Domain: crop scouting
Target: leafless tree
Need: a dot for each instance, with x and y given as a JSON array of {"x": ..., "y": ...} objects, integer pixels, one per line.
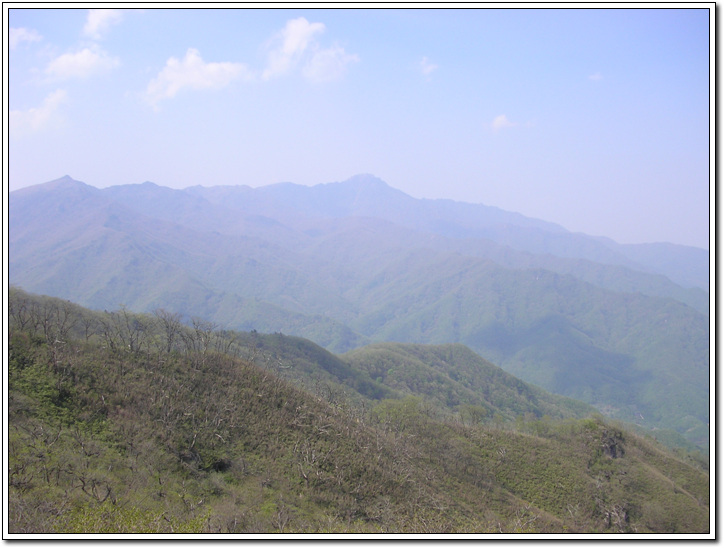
[{"x": 171, "y": 325}]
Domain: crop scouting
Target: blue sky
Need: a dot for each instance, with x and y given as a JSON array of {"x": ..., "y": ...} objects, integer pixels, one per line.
[{"x": 597, "y": 119}]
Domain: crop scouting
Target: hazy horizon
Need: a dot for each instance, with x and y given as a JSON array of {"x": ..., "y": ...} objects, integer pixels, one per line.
[{"x": 594, "y": 119}]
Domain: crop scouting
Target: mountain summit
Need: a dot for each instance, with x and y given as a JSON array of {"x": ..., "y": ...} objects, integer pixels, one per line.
[{"x": 62, "y": 184}]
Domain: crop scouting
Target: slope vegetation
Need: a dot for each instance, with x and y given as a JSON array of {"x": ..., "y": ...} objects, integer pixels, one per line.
[{"x": 125, "y": 423}]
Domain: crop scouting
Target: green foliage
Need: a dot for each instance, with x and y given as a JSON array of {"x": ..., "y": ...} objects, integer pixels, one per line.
[
  {"x": 399, "y": 415},
  {"x": 193, "y": 437},
  {"x": 472, "y": 414},
  {"x": 116, "y": 520},
  {"x": 452, "y": 377}
]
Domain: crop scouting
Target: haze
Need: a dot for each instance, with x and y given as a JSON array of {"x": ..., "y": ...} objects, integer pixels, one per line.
[{"x": 595, "y": 119}]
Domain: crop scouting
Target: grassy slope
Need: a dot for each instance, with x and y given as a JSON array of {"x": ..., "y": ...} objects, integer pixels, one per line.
[
  {"x": 452, "y": 376},
  {"x": 140, "y": 439}
]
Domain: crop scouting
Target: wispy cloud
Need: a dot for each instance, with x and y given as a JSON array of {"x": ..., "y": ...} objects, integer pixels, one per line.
[
  {"x": 596, "y": 76},
  {"x": 328, "y": 64},
  {"x": 82, "y": 64},
  {"x": 427, "y": 67},
  {"x": 288, "y": 45},
  {"x": 25, "y": 122},
  {"x": 99, "y": 21},
  {"x": 193, "y": 73},
  {"x": 500, "y": 122},
  {"x": 19, "y": 35},
  {"x": 296, "y": 45}
]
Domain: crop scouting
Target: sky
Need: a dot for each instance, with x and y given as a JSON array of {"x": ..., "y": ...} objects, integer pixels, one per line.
[{"x": 595, "y": 119}]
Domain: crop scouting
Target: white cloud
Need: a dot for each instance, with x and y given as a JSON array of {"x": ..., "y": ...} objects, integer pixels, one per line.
[
  {"x": 427, "y": 67},
  {"x": 296, "y": 46},
  {"x": 99, "y": 21},
  {"x": 21, "y": 34},
  {"x": 597, "y": 76},
  {"x": 501, "y": 122},
  {"x": 289, "y": 45},
  {"x": 24, "y": 122},
  {"x": 193, "y": 73},
  {"x": 85, "y": 63},
  {"x": 291, "y": 48},
  {"x": 328, "y": 64}
]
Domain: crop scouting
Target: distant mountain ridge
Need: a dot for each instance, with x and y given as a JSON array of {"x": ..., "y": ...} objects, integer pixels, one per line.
[
  {"x": 349, "y": 263},
  {"x": 369, "y": 196}
]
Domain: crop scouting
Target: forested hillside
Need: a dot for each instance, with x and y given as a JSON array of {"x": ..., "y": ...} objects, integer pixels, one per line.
[
  {"x": 129, "y": 423},
  {"x": 623, "y": 328}
]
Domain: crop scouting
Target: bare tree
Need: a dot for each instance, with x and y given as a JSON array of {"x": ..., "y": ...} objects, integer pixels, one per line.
[
  {"x": 19, "y": 311},
  {"x": 198, "y": 341},
  {"x": 171, "y": 324},
  {"x": 55, "y": 320}
]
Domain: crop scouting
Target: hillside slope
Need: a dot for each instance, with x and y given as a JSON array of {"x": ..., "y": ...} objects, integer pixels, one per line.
[{"x": 123, "y": 423}]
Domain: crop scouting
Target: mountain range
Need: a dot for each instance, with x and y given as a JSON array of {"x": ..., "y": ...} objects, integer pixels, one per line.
[{"x": 622, "y": 327}]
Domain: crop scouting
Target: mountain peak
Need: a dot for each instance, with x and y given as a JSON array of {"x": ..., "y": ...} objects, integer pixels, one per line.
[
  {"x": 65, "y": 183},
  {"x": 364, "y": 185},
  {"x": 367, "y": 182},
  {"x": 65, "y": 180},
  {"x": 366, "y": 179}
]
